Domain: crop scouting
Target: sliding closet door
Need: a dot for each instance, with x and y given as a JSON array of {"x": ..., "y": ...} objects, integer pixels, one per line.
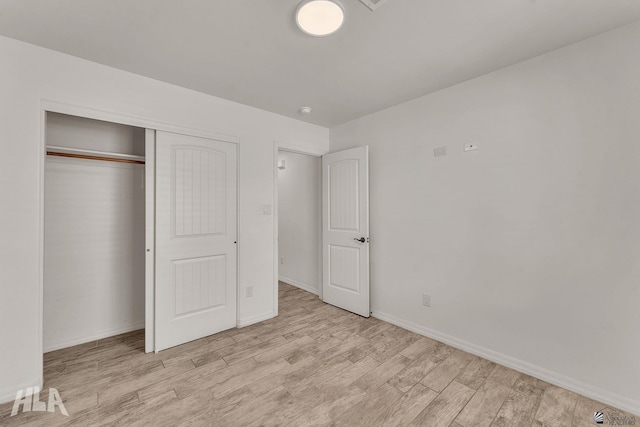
[{"x": 196, "y": 192}]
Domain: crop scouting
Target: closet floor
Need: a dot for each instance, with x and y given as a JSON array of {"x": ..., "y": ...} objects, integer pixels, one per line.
[{"x": 312, "y": 365}]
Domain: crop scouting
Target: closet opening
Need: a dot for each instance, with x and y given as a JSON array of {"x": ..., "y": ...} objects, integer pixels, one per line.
[{"x": 94, "y": 232}]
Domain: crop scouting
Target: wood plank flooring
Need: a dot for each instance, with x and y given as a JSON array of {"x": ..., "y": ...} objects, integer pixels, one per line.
[{"x": 312, "y": 365}]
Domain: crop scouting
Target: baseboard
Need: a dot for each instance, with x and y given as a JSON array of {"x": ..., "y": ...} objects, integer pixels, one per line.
[
  {"x": 297, "y": 284},
  {"x": 94, "y": 337},
  {"x": 255, "y": 319},
  {"x": 7, "y": 396},
  {"x": 585, "y": 389}
]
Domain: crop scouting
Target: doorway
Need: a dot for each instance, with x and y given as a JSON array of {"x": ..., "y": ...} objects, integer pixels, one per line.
[{"x": 299, "y": 216}]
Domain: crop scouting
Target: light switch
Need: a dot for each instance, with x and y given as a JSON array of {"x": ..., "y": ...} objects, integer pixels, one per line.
[{"x": 266, "y": 209}]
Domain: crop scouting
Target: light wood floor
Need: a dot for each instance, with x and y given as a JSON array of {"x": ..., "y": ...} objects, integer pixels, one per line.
[{"x": 313, "y": 365}]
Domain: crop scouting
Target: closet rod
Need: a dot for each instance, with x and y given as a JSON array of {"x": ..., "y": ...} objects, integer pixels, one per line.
[
  {"x": 84, "y": 156},
  {"x": 78, "y": 153}
]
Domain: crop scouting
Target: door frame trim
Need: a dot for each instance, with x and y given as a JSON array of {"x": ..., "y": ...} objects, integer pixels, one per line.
[
  {"x": 298, "y": 149},
  {"x": 89, "y": 112},
  {"x": 150, "y": 240}
]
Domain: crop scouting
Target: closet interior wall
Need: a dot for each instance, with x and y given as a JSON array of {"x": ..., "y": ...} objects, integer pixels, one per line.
[{"x": 94, "y": 256}]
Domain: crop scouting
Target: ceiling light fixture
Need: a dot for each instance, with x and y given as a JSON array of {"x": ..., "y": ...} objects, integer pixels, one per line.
[
  {"x": 320, "y": 17},
  {"x": 304, "y": 110}
]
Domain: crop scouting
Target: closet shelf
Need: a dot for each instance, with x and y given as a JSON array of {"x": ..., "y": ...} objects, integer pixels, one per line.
[{"x": 79, "y": 153}]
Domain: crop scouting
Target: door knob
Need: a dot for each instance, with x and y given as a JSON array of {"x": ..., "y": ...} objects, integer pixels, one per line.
[{"x": 361, "y": 240}]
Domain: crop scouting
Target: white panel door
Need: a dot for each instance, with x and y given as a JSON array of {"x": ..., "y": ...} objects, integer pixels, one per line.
[
  {"x": 195, "y": 238},
  {"x": 345, "y": 229}
]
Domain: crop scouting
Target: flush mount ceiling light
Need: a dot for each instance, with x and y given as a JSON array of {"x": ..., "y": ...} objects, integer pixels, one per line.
[{"x": 320, "y": 17}]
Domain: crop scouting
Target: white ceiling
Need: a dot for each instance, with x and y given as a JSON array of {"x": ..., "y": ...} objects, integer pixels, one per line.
[{"x": 250, "y": 51}]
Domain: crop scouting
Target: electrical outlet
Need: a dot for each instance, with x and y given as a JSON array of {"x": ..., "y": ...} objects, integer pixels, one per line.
[
  {"x": 266, "y": 209},
  {"x": 426, "y": 300},
  {"x": 440, "y": 151},
  {"x": 249, "y": 291}
]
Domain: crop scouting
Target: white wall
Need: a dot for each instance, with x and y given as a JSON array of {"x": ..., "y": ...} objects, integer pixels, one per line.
[
  {"x": 530, "y": 246},
  {"x": 28, "y": 76},
  {"x": 299, "y": 220},
  {"x": 94, "y": 257}
]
